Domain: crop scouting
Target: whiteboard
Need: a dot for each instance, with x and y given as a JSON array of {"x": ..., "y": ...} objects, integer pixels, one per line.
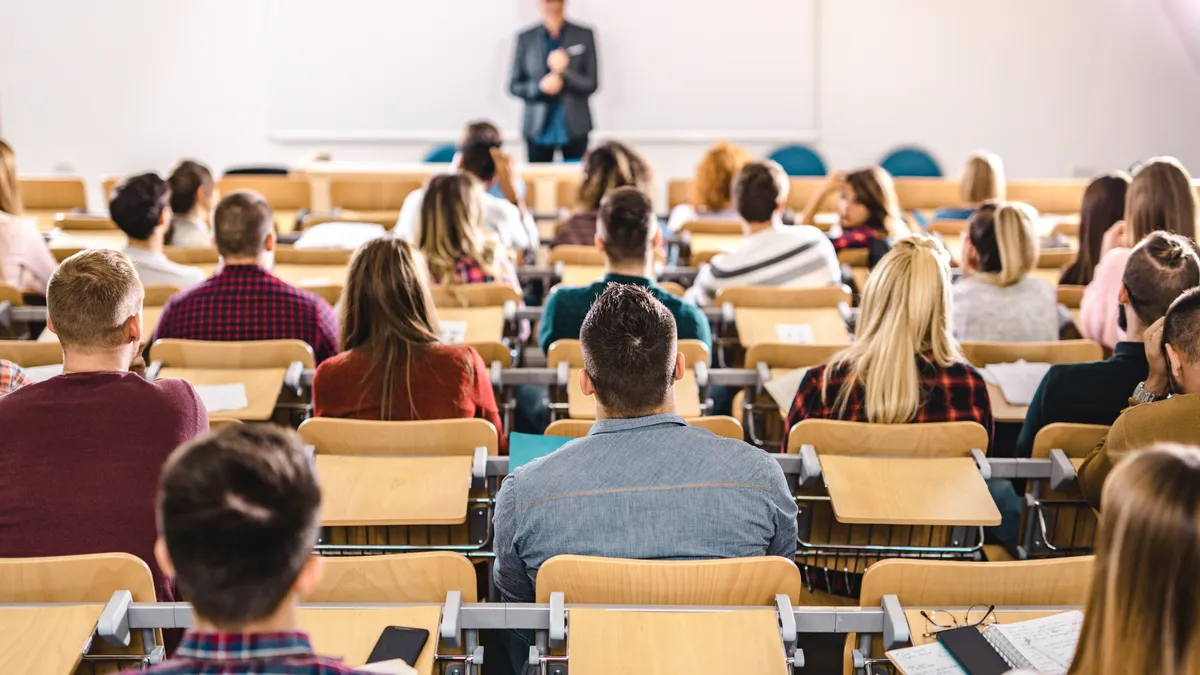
[{"x": 363, "y": 70}]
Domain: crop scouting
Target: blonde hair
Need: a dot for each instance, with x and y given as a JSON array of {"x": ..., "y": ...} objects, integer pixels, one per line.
[
  {"x": 1005, "y": 241},
  {"x": 90, "y": 297},
  {"x": 904, "y": 314},
  {"x": 874, "y": 188},
  {"x": 10, "y": 188},
  {"x": 450, "y": 227},
  {"x": 713, "y": 184},
  {"x": 982, "y": 178},
  {"x": 1161, "y": 197},
  {"x": 1141, "y": 616}
]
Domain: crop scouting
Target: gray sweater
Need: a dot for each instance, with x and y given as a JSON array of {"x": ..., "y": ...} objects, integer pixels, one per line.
[{"x": 1027, "y": 311}]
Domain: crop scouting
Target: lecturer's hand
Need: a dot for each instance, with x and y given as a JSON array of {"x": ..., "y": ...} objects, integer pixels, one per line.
[
  {"x": 558, "y": 60},
  {"x": 551, "y": 84}
]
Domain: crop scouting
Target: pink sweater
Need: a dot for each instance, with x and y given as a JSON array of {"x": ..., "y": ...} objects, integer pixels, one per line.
[
  {"x": 25, "y": 261},
  {"x": 1098, "y": 310}
]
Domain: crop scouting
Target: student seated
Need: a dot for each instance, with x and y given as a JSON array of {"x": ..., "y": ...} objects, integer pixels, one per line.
[
  {"x": 1141, "y": 615},
  {"x": 606, "y": 167},
  {"x": 1159, "y": 270},
  {"x": 628, "y": 235},
  {"x": 773, "y": 254},
  {"x": 642, "y": 484},
  {"x": 192, "y": 200},
  {"x": 903, "y": 366},
  {"x": 1160, "y": 197},
  {"x": 982, "y": 180},
  {"x": 997, "y": 299},
  {"x": 712, "y": 187},
  {"x": 25, "y": 261},
  {"x": 869, "y": 212},
  {"x": 238, "y": 516},
  {"x": 12, "y": 377},
  {"x": 393, "y": 365},
  {"x": 83, "y": 450},
  {"x": 1165, "y": 407},
  {"x": 481, "y": 155},
  {"x": 244, "y": 301},
  {"x": 1103, "y": 206},
  {"x": 139, "y": 207},
  {"x": 456, "y": 248}
]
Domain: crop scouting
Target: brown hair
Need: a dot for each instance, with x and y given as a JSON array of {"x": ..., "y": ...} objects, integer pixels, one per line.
[
  {"x": 1161, "y": 197},
  {"x": 387, "y": 313},
  {"x": 1161, "y": 267},
  {"x": 475, "y": 151},
  {"x": 186, "y": 180},
  {"x": 609, "y": 166},
  {"x": 759, "y": 189},
  {"x": 451, "y": 216},
  {"x": 10, "y": 187},
  {"x": 1103, "y": 205},
  {"x": 713, "y": 185},
  {"x": 91, "y": 296},
  {"x": 1142, "y": 615},
  {"x": 239, "y": 510},
  {"x": 873, "y": 188},
  {"x": 626, "y": 225},
  {"x": 629, "y": 346},
  {"x": 982, "y": 179},
  {"x": 242, "y": 222},
  {"x": 1005, "y": 243}
]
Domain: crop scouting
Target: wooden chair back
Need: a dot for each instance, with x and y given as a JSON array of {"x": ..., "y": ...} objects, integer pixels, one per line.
[
  {"x": 231, "y": 355},
  {"x": 589, "y": 256},
  {"x": 790, "y": 357},
  {"x": 679, "y": 191},
  {"x": 726, "y": 427},
  {"x": 283, "y": 193},
  {"x": 981, "y": 354},
  {"x": 83, "y": 222},
  {"x": 925, "y": 194},
  {"x": 804, "y": 190},
  {"x": 157, "y": 296},
  {"x": 108, "y": 185},
  {"x": 1048, "y": 196},
  {"x": 187, "y": 255},
  {"x": 570, "y": 351},
  {"x": 491, "y": 352},
  {"x": 566, "y": 193},
  {"x": 769, "y": 297},
  {"x": 673, "y": 288},
  {"x": 11, "y": 295},
  {"x": 53, "y": 194},
  {"x": 409, "y": 577},
  {"x": 218, "y": 423},
  {"x": 854, "y": 257},
  {"x": 1071, "y": 296},
  {"x": 75, "y": 578},
  {"x": 735, "y": 582},
  {"x": 731, "y": 228},
  {"x": 473, "y": 295},
  {"x": 948, "y": 228},
  {"x": 937, "y": 584},
  {"x": 1053, "y": 259},
  {"x": 372, "y": 194},
  {"x": 1076, "y": 440},
  {"x": 290, "y": 255},
  {"x": 29, "y": 353},
  {"x": 333, "y": 436},
  {"x": 835, "y": 437}
]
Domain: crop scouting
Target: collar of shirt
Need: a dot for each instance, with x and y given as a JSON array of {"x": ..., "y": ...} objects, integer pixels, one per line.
[
  {"x": 611, "y": 278},
  {"x": 615, "y": 425},
  {"x": 1129, "y": 351},
  {"x": 243, "y": 647},
  {"x": 250, "y": 270},
  {"x": 191, "y": 221}
]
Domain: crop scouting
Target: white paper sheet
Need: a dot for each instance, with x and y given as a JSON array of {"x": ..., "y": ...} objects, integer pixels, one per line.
[
  {"x": 453, "y": 332},
  {"x": 1018, "y": 381},
  {"x": 794, "y": 333},
  {"x": 347, "y": 235},
  {"x": 218, "y": 397},
  {"x": 1048, "y": 643},
  {"x": 393, "y": 667},
  {"x": 37, "y": 374},
  {"x": 930, "y": 659},
  {"x": 783, "y": 388}
]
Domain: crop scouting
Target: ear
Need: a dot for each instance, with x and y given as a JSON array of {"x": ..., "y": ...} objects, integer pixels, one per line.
[
  {"x": 599, "y": 243},
  {"x": 1174, "y": 362},
  {"x": 585, "y": 384},
  {"x": 163, "y": 558},
  {"x": 310, "y": 576},
  {"x": 658, "y": 239},
  {"x": 133, "y": 327},
  {"x": 164, "y": 218},
  {"x": 1122, "y": 295},
  {"x": 680, "y": 366},
  {"x": 50, "y": 325},
  {"x": 269, "y": 245}
]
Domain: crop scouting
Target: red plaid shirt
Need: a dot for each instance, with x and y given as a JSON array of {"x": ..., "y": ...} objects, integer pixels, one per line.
[
  {"x": 954, "y": 394},
  {"x": 12, "y": 377},
  {"x": 858, "y": 237},
  {"x": 467, "y": 270},
  {"x": 286, "y": 653},
  {"x": 246, "y": 302}
]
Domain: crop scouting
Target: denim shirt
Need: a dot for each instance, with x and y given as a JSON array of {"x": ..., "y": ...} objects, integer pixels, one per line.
[{"x": 650, "y": 488}]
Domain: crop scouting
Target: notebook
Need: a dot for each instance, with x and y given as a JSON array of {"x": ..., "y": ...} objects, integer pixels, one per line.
[
  {"x": 1017, "y": 381},
  {"x": 783, "y": 389},
  {"x": 393, "y": 667},
  {"x": 218, "y": 397},
  {"x": 524, "y": 448},
  {"x": 1045, "y": 645}
]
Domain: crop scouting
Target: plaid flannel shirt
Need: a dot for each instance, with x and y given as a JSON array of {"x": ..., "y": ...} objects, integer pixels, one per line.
[
  {"x": 252, "y": 654},
  {"x": 246, "y": 302},
  {"x": 858, "y": 237},
  {"x": 12, "y": 377}
]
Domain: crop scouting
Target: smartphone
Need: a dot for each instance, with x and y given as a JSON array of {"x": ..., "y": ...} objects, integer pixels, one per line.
[
  {"x": 973, "y": 652},
  {"x": 398, "y": 642}
]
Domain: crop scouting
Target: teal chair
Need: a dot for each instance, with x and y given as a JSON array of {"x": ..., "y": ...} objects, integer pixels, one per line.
[
  {"x": 799, "y": 160},
  {"x": 911, "y": 163},
  {"x": 442, "y": 154}
]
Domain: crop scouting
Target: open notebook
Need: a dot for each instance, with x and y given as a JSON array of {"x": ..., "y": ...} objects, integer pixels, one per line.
[
  {"x": 1045, "y": 645},
  {"x": 1017, "y": 381}
]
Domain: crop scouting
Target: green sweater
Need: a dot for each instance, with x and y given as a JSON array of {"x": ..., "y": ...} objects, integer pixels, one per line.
[{"x": 566, "y": 308}]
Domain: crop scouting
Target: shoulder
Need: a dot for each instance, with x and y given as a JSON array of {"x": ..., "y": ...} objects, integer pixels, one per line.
[
  {"x": 581, "y": 29},
  {"x": 1112, "y": 265},
  {"x": 339, "y": 363},
  {"x": 530, "y": 33},
  {"x": 1170, "y": 412},
  {"x": 958, "y": 371},
  {"x": 458, "y": 357}
]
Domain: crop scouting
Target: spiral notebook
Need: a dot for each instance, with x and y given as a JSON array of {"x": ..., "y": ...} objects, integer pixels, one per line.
[{"x": 1046, "y": 645}]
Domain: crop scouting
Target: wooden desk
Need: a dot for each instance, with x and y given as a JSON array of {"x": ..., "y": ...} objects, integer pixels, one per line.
[
  {"x": 150, "y": 317},
  {"x": 484, "y": 324},
  {"x": 262, "y": 389},
  {"x": 393, "y": 490},
  {"x": 114, "y": 240},
  {"x": 582, "y": 407},
  {"x": 581, "y": 275},
  {"x": 901, "y": 491},
  {"x": 917, "y": 626},
  {"x": 45, "y": 640},
  {"x": 756, "y": 326},
  {"x": 1002, "y": 410},
  {"x": 715, "y": 243},
  {"x": 602, "y": 642},
  {"x": 312, "y": 275},
  {"x": 350, "y": 634}
]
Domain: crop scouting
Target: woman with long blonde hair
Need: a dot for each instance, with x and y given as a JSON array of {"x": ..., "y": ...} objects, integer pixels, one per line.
[
  {"x": 25, "y": 260},
  {"x": 452, "y": 239},
  {"x": 1143, "y": 615},
  {"x": 904, "y": 366},
  {"x": 869, "y": 213},
  {"x": 998, "y": 300},
  {"x": 712, "y": 187},
  {"x": 393, "y": 365}
]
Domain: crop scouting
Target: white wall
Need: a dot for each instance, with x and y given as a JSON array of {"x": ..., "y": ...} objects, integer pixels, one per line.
[{"x": 1057, "y": 87}]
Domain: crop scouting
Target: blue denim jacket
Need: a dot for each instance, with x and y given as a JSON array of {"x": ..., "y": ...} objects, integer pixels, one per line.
[{"x": 645, "y": 488}]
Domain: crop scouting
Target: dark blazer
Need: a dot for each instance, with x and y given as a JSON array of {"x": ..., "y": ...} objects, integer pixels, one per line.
[{"x": 580, "y": 80}]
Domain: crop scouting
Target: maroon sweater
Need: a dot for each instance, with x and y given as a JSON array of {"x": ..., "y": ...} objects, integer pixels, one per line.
[{"x": 80, "y": 459}]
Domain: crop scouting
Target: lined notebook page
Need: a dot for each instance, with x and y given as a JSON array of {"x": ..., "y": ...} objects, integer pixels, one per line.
[
  {"x": 1047, "y": 645},
  {"x": 930, "y": 659},
  {"x": 783, "y": 389}
]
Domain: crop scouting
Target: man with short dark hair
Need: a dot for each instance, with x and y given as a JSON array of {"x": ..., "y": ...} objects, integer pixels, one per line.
[
  {"x": 140, "y": 208},
  {"x": 244, "y": 301},
  {"x": 642, "y": 484},
  {"x": 83, "y": 450},
  {"x": 1163, "y": 409},
  {"x": 238, "y": 515},
  {"x": 773, "y": 254},
  {"x": 627, "y": 233}
]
